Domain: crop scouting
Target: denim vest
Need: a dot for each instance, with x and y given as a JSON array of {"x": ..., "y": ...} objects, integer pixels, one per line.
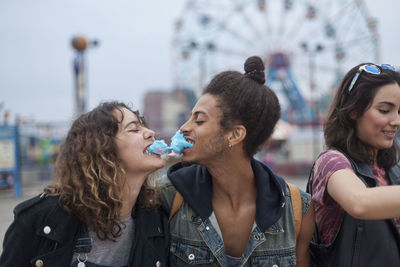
[{"x": 199, "y": 242}]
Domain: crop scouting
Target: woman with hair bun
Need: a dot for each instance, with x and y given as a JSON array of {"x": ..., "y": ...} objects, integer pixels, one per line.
[
  {"x": 235, "y": 210},
  {"x": 103, "y": 209}
]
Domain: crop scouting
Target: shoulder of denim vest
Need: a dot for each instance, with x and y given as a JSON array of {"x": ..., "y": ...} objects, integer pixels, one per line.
[
  {"x": 305, "y": 199},
  {"x": 167, "y": 192}
]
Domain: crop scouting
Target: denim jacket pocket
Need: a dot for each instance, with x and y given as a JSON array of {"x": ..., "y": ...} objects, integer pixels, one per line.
[
  {"x": 284, "y": 259},
  {"x": 183, "y": 254}
]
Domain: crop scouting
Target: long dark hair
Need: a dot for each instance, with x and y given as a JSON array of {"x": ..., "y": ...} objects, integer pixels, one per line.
[{"x": 347, "y": 107}]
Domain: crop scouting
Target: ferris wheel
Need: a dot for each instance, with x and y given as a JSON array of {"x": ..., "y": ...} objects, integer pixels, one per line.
[{"x": 307, "y": 45}]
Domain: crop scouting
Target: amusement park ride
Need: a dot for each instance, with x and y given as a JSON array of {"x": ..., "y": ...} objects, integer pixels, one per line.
[{"x": 307, "y": 46}]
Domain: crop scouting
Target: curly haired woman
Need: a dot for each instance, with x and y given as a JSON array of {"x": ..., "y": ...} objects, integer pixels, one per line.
[{"x": 103, "y": 209}]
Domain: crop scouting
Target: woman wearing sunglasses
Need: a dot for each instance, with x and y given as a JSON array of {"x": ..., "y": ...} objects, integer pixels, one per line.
[
  {"x": 103, "y": 209},
  {"x": 355, "y": 183}
]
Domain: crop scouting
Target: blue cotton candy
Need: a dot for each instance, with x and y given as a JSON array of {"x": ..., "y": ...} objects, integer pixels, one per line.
[
  {"x": 159, "y": 147},
  {"x": 178, "y": 143}
]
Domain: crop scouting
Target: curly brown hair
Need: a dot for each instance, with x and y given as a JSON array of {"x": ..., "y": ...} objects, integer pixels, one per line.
[
  {"x": 90, "y": 176},
  {"x": 245, "y": 99},
  {"x": 347, "y": 107}
]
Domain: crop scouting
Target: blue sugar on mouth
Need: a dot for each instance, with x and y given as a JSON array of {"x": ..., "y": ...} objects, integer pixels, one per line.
[{"x": 178, "y": 144}]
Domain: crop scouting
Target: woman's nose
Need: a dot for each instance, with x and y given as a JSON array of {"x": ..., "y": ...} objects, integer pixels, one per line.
[
  {"x": 185, "y": 127},
  {"x": 148, "y": 133},
  {"x": 396, "y": 120}
]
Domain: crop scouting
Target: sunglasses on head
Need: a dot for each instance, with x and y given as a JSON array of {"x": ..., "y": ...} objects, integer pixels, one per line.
[{"x": 369, "y": 68}]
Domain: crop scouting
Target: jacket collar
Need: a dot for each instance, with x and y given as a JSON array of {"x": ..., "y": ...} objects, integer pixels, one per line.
[
  {"x": 59, "y": 224},
  {"x": 194, "y": 182},
  {"x": 363, "y": 169},
  {"x": 394, "y": 174}
]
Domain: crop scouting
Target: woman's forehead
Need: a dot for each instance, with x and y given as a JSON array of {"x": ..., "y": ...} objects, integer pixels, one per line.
[
  {"x": 207, "y": 104},
  {"x": 132, "y": 116},
  {"x": 387, "y": 93},
  {"x": 125, "y": 115}
]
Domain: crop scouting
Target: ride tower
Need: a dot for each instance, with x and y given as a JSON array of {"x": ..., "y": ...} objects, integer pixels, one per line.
[{"x": 279, "y": 77}]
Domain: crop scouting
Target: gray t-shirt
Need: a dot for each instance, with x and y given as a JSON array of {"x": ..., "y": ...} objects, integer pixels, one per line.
[{"x": 109, "y": 253}]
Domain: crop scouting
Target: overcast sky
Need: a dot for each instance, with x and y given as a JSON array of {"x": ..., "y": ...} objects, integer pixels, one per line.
[{"x": 36, "y": 79}]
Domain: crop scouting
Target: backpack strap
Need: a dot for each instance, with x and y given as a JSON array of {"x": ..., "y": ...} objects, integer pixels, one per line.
[
  {"x": 176, "y": 204},
  {"x": 296, "y": 206},
  {"x": 294, "y": 195}
]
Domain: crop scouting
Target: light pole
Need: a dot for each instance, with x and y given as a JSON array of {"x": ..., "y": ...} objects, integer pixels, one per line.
[{"x": 80, "y": 44}]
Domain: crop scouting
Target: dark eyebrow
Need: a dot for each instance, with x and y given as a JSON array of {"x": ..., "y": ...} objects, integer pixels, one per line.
[
  {"x": 387, "y": 103},
  {"x": 130, "y": 123},
  {"x": 199, "y": 112}
]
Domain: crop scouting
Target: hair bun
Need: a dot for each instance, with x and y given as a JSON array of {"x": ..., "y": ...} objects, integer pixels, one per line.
[{"x": 254, "y": 69}]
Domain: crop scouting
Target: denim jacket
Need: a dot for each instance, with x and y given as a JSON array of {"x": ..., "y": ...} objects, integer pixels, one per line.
[{"x": 196, "y": 238}]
